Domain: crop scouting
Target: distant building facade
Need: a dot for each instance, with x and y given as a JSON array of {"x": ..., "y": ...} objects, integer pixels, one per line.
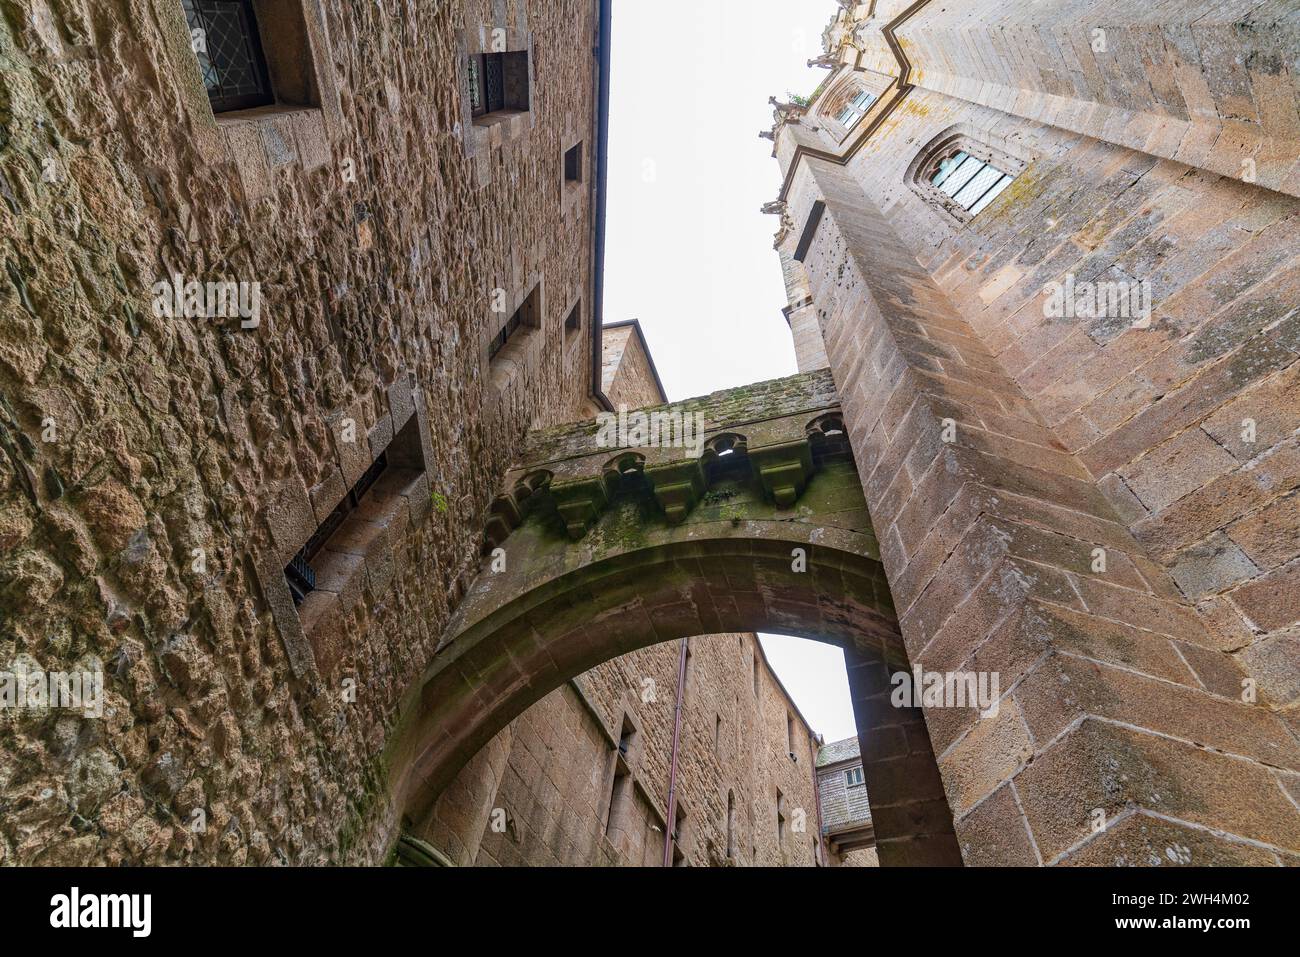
[{"x": 845, "y": 811}]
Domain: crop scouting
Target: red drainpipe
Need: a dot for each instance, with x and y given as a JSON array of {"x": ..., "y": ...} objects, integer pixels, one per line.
[{"x": 672, "y": 771}]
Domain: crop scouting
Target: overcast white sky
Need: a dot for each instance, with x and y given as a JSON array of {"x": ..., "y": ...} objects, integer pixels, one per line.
[{"x": 687, "y": 250}]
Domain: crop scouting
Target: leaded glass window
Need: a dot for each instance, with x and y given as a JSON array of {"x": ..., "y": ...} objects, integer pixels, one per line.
[
  {"x": 224, "y": 37},
  {"x": 971, "y": 182},
  {"x": 856, "y": 109}
]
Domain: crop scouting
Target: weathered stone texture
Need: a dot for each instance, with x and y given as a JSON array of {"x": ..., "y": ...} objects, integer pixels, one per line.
[
  {"x": 130, "y": 440},
  {"x": 1003, "y": 448},
  {"x": 555, "y": 795}
]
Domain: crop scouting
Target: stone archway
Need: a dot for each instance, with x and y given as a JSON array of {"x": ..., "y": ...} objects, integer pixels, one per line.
[{"x": 593, "y": 552}]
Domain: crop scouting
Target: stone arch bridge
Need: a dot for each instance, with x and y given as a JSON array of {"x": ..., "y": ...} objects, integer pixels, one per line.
[{"x": 594, "y": 551}]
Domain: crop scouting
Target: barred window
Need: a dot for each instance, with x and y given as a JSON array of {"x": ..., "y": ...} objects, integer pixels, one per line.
[
  {"x": 224, "y": 37},
  {"x": 497, "y": 82},
  {"x": 300, "y": 572},
  {"x": 527, "y": 317},
  {"x": 501, "y": 338}
]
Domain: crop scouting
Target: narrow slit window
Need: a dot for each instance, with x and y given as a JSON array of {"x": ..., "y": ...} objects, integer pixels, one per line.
[
  {"x": 731, "y": 824},
  {"x": 679, "y": 837},
  {"x": 620, "y": 789},
  {"x": 573, "y": 164}
]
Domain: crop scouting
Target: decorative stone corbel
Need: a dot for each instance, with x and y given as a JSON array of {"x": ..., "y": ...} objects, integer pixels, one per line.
[
  {"x": 580, "y": 503},
  {"x": 508, "y": 508},
  {"x": 783, "y": 470},
  {"x": 677, "y": 487}
]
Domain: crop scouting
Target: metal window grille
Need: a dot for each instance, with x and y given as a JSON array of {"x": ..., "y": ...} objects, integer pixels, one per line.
[
  {"x": 486, "y": 77},
  {"x": 299, "y": 573},
  {"x": 474, "y": 82},
  {"x": 224, "y": 37},
  {"x": 497, "y": 81}
]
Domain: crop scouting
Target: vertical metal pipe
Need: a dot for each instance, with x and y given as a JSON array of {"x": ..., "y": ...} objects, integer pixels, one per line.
[{"x": 671, "y": 824}]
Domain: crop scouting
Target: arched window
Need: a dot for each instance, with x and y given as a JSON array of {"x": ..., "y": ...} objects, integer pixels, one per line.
[
  {"x": 972, "y": 182},
  {"x": 856, "y": 109},
  {"x": 846, "y": 104},
  {"x": 963, "y": 175}
]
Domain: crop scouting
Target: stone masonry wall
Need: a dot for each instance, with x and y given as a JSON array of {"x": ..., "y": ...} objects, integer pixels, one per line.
[
  {"x": 131, "y": 440},
  {"x": 557, "y": 786},
  {"x": 554, "y": 790},
  {"x": 1190, "y": 424},
  {"x": 988, "y": 542},
  {"x": 1169, "y": 444}
]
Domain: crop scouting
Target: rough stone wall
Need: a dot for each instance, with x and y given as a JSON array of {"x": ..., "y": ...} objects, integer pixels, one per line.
[{"x": 130, "y": 440}]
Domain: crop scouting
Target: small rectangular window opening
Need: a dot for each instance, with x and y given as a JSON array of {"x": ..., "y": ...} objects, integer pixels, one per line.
[
  {"x": 299, "y": 573},
  {"x": 573, "y": 164},
  {"x": 526, "y": 316},
  {"x": 679, "y": 836},
  {"x": 497, "y": 82}
]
